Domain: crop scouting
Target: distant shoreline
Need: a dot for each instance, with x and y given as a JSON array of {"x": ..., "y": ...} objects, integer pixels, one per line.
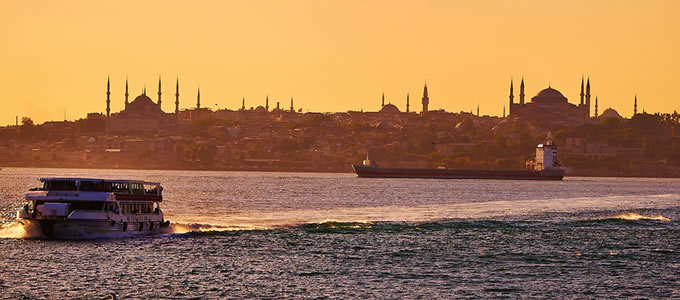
[{"x": 579, "y": 173}]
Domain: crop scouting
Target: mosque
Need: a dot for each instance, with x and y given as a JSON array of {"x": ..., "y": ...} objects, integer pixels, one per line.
[
  {"x": 391, "y": 109},
  {"x": 143, "y": 114},
  {"x": 551, "y": 106}
]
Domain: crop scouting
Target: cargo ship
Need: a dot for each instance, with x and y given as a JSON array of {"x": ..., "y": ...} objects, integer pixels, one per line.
[
  {"x": 76, "y": 208},
  {"x": 544, "y": 166}
]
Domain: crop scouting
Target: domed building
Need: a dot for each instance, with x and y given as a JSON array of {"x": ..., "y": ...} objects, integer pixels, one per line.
[
  {"x": 549, "y": 95},
  {"x": 551, "y": 106},
  {"x": 142, "y": 114},
  {"x": 142, "y": 106},
  {"x": 610, "y": 113},
  {"x": 389, "y": 109}
]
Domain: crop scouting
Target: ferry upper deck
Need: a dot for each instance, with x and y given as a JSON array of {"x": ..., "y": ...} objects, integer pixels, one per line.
[{"x": 94, "y": 189}]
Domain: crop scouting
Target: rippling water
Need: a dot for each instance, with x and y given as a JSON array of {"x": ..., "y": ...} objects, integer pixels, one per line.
[{"x": 292, "y": 235}]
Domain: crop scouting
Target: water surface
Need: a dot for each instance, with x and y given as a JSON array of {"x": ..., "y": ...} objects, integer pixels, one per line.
[{"x": 291, "y": 235}]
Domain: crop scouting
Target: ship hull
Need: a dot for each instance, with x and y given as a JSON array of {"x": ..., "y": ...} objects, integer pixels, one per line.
[
  {"x": 92, "y": 229},
  {"x": 379, "y": 172}
]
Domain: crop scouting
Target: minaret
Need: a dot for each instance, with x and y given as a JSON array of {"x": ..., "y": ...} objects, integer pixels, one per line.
[
  {"x": 596, "y": 106},
  {"x": 383, "y": 99},
  {"x": 503, "y": 111},
  {"x": 478, "y": 110},
  {"x": 126, "y": 93},
  {"x": 243, "y": 104},
  {"x": 581, "y": 104},
  {"x": 198, "y": 99},
  {"x": 521, "y": 92},
  {"x": 292, "y": 109},
  {"x": 512, "y": 97},
  {"x": 177, "y": 98},
  {"x": 266, "y": 103},
  {"x": 588, "y": 99},
  {"x": 277, "y": 105},
  {"x": 426, "y": 100},
  {"x": 159, "y": 92},
  {"x": 108, "y": 96},
  {"x": 407, "y": 102},
  {"x": 635, "y": 106}
]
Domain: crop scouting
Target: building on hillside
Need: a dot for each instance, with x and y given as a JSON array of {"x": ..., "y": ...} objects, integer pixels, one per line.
[
  {"x": 142, "y": 114},
  {"x": 550, "y": 106}
]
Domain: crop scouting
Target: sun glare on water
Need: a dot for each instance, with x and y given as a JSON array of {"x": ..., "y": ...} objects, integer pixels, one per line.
[
  {"x": 630, "y": 216},
  {"x": 18, "y": 230},
  {"x": 180, "y": 228}
]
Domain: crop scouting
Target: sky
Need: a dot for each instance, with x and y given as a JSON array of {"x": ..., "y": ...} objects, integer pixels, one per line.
[{"x": 334, "y": 56}]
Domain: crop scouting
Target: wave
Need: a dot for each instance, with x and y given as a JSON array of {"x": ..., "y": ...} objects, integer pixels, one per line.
[
  {"x": 213, "y": 226},
  {"x": 627, "y": 218},
  {"x": 631, "y": 216},
  {"x": 334, "y": 226},
  {"x": 181, "y": 228}
]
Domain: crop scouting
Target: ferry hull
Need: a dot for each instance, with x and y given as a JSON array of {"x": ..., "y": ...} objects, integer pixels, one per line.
[
  {"x": 92, "y": 229},
  {"x": 379, "y": 172}
]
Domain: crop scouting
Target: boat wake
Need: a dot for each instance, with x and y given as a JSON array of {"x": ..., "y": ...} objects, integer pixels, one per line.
[
  {"x": 631, "y": 216},
  {"x": 19, "y": 230},
  {"x": 180, "y": 228}
]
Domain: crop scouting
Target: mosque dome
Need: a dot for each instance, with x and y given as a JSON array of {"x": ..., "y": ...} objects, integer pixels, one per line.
[
  {"x": 549, "y": 95},
  {"x": 260, "y": 109},
  {"x": 389, "y": 108},
  {"x": 611, "y": 113},
  {"x": 142, "y": 105},
  {"x": 143, "y": 100}
]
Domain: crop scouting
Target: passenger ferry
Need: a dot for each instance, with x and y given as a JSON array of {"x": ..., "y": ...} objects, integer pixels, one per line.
[{"x": 89, "y": 207}]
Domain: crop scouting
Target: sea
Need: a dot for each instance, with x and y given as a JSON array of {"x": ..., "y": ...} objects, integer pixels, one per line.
[{"x": 327, "y": 236}]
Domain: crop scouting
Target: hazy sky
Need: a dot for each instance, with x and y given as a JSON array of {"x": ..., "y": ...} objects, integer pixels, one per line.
[{"x": 334, "y": 55}]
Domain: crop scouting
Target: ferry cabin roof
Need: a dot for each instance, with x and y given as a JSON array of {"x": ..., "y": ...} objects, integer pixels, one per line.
[
  {"x": 91, "y": 189},
  {"x": 43, "y": 179}
]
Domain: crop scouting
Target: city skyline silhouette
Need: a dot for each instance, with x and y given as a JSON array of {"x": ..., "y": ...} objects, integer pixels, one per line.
[{"x": 334, "y": 57}]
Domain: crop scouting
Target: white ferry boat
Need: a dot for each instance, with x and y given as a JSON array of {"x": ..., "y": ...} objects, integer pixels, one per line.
[{"x": 90, "y": 207}]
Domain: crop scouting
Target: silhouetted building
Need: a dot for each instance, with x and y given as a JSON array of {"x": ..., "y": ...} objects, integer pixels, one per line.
[
  {"x": 142, "y": 114},
  {"x": 610, "y": 113},
  {"x": 551, "y": 106}
]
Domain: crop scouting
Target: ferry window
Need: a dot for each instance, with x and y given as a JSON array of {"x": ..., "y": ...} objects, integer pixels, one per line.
[
  {"x": 137, "y": 188},
  {"x": 60, "y": 185},
  {"x": 150, "y": 189},
  {"x": 92, "y": 186},
  {"x": 87, "y": 205},
  {"x": 120, "y": 187}
]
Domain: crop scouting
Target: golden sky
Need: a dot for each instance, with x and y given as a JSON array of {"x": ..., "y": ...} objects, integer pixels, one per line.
[{"x": 333, "y": 56}]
